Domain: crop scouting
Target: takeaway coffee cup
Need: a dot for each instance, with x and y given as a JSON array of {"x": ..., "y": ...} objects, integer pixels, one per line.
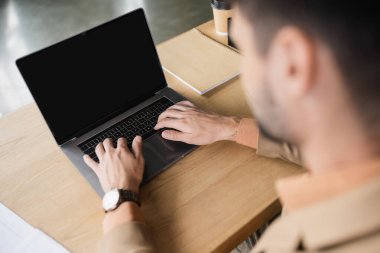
[{"x": 222, "y": 11}]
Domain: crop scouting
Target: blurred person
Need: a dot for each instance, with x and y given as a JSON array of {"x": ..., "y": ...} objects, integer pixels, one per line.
[{"x": 310, "y": 72}]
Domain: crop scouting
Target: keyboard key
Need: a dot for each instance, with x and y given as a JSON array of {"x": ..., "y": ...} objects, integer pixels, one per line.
[{"x": 92, "y": 155}]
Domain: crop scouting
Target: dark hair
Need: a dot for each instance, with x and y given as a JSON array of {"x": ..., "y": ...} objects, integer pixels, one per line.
[{"x": 350, "y": 30}]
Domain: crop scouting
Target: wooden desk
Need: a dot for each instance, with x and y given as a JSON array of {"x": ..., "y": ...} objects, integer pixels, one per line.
[{"x": 208, "y": 202}]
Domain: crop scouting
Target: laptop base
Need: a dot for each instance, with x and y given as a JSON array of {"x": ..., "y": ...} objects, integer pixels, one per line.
[{"x": 159, "y": 153}]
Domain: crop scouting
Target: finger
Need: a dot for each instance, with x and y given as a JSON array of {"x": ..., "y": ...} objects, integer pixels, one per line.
[
  {"x": 176, "y": 136},
  {"x": 186, "y": 103},
  {"x": 108, "y": 146},
  {"x": 99, "y": 150},
  {"x": 171, "y": 114},
  {"x": 179, "y": 108},
  {"x": 137, "y": 146},
  {"x": 172, "y": 123},
  {"x": 91, "y": 163},
  {"x": 122, "y": 143}
]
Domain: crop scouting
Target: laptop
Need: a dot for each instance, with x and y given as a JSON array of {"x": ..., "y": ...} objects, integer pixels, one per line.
[{"x": 106, "y": 82}]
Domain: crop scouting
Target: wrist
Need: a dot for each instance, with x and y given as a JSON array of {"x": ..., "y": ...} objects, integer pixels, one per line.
[
  {"x": 230, "y": 128},
  {"x": 130, "y": 184},
  {"x": 115, "y": 197},
  {"x": 131, "y": 187}
]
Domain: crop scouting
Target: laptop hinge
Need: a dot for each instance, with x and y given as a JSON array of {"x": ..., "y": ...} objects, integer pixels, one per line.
[
  {"x": 160, "y": 91},
  {"x": 68, "y": 141}
]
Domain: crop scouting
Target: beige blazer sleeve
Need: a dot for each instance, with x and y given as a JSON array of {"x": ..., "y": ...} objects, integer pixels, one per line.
[
  {"x": 131, "y": 237},
  {"x": 246, "y": 135},
  {"x": 282, "y": 150}
]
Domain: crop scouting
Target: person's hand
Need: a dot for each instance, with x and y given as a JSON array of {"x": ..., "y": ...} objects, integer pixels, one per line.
[
  {"x": 189, "y": 124},
  {"x": 118, "y": 167}
]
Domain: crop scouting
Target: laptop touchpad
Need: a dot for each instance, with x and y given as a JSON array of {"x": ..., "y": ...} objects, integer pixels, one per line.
[{"x": 159, "y": 153}]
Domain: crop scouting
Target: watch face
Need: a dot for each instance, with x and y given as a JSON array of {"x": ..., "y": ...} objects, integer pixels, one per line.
[{"x": 111, "y": 199}]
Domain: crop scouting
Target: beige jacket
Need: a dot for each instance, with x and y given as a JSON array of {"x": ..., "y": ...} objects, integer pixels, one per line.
[{"x": 347, "y": 223}]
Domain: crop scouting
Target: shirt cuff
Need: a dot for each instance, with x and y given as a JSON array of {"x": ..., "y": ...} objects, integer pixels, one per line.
[{"x": 247, "y": 133}]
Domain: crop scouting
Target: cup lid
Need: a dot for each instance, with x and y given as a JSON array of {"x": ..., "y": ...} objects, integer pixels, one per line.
[{"x": 221, "y": 4}]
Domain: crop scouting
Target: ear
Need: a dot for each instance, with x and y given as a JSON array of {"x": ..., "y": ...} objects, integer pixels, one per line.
[{"x": 292, "y": 53}]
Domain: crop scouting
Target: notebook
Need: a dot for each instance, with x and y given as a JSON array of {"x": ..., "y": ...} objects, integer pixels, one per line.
[
  {"x": 199, "y": 62},
  {"x": 17, "y": 236}
]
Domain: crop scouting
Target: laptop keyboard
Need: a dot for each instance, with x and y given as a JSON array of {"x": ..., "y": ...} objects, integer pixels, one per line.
[{"x": 140, "y": 123}]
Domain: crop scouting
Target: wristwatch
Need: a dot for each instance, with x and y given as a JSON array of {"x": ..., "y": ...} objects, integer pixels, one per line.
[{"x": 115, "y": 197}]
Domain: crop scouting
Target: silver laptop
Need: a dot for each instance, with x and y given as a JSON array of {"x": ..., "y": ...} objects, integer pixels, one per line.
[{"x": 106, "y": 82}]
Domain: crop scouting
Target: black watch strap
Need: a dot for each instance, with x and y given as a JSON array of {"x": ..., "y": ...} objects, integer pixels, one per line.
[{"x": 127, "y": 195}]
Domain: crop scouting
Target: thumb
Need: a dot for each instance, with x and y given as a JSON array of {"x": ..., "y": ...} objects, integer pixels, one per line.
[
  {"x": 91, "y": 163},
  {"x": 174, "y": 135}
]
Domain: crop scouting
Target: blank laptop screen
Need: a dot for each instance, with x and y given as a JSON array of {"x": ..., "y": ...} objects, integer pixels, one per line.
[{"x": 91, "y": 77}]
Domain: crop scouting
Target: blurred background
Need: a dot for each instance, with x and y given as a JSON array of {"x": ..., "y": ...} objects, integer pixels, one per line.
[{"x": 29, "y": 25}]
